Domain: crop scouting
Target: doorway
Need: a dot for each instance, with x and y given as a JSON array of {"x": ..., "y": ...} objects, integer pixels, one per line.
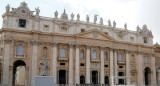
[
  {"x": 94, "y": 77},
  {"x": 62, "y": 77},
  {"x": 82, "y": 79},
  {"x": 19, "y": 73},
  {"x": 147, "y": 75},
  {"x": 121, "y": 81}
]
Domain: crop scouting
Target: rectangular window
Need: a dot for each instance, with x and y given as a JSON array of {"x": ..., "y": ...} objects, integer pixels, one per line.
[
  {"x": 131, "y": 39},
  {"x": 82, "y": 64},
  {"x": 119, "y": 57},
  {"x": 22, "y": 23},
  {"x": 120, "y": 66},
  {"x": 145, "y": 40},
  {"x": 82, "y": 30},
  {"x": 63, "y": 64},
  {"x": 105, "y": 66},
  {"x": 105, "y": 57}
]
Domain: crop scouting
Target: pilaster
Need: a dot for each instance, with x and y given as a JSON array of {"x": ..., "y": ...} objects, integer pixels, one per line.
[
  {"x": 88, "y": 65},
  {"x": 54, "y": 62},
  {"x": 128, "y": 74},
  {"x": 115, "y": 65},
  {"x": 111, "y": 65},
  {"x": 102, "y": 66},
  {"x": 70, "y": 64},
  {"x": 140, "y": 68},
  {"x": 77, "y": 65},
  {"x": 153, "y": 76}
]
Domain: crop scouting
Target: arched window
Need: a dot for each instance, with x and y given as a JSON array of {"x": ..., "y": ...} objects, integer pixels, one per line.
[
  {"x": 62, "y": 52},
  {"x": 45, "y": 51},
  {"x": 20, "y": 50},
  {"x": 145, "y": 39},
  {"x": 82, "y": 54},
  {"x": 146, "y": 59},
  {"x": 94, "y": 54},
  {"x": 119, "y": 57},
  {"x": 105, "y": 57}
]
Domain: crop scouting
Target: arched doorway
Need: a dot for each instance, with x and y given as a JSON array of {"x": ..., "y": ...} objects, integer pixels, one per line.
[
  {"x": 19, "y": 73},
  {"x": 95, "y": 77},
  {"x": 106, "y": 80},
  {"x": 147, "y": 75},
  {"x": 82, "y": 79}
]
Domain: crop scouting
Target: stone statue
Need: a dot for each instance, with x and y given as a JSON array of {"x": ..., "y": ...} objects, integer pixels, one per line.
[
  {"x": 37, "y": 11},
  {"x": 138, "y": 28},
  {"x": 109, "y": 23},
  {"x": 44, "y": 67},
  {"x": 114, "y": 24},
  {"x": 7, "y": 8},
  {"x": 14, "y": 11},
  {"x": 95, "y": 18},
  {"x": 101, "y": 21},
  {"x": 78, "y": 17},
  {"x": 72, "y": 16},
  {"x": 125, "y": 26},
  {"x": 87, "y": 18},
  {"x": 144, "y": 26},
  {"x": 56, "y": 14}
]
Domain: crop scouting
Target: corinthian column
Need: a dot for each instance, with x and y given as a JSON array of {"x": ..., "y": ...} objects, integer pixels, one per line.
[
  {"x": 115, "y": 65},
  {"x": 77, "y": 64},
  {"x": 54, "y": 47},
  {"x": 70, "y": 64},
  {"x": 6, "y": 62},
  {"x": 88, "y": 65},
  {"x": 34, "y": 61},
  {"x": 153, "y": 78},
  {"x": 102, "y": 66},
  {"x": 111, "y": 65},
  {"x": 128, "y": 74},
  {"x": 140, "y": 71}
]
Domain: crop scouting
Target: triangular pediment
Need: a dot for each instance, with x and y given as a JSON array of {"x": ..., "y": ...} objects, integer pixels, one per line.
[{"x": 94, "y": 34}]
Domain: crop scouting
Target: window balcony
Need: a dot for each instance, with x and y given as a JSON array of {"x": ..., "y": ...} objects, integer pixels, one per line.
[
  {"x": 62, "y": 58},
  {"x": 20, "y": 56},
  {"x": 121, "y": 62},
  {"x": 95, "y": 60}
]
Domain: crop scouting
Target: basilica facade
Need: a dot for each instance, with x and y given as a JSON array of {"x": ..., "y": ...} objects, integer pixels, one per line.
[{"x": 73, "y": 51}]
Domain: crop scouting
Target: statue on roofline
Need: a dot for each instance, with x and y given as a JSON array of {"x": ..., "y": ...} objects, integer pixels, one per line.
[
  {"x": 95, "y": 18},
  {"x": 72, "y": 16},
  {"x": 7, "y": 8},
  {"x": 87, "y": 18},
  {"x": 56, "y": 14},
  {"x": 114, "y": 24},
  {"x": 37, "y": 11},
  {"x": 78, "y": 17},
  {"x": 101, "y": 21},
  {"x": 109, "y": 23}
]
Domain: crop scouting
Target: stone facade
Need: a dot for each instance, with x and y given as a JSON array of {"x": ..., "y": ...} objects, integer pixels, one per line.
[{"x": 77, "y": 52}]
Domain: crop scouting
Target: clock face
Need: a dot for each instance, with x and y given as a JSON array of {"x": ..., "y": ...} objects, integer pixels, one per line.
[{"x": 23, "y": 11}]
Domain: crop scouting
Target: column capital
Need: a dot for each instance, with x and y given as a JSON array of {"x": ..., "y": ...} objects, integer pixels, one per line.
[
  {"x": 115, "y": 50},
  {"x": 10, "y": 67},
  {"x": 127, "y": 51},
  {"x": 88, "y": 46},
  {"x": 35, "y": 42},
  {"x": 53, "y": 44},
  {"x": 27, "y": 68},
  {"x": 71, "y": 45},
  {"x": 8, "y": 41},
  {"x": 102, "y": 48},
  {"x": 111, "y": 49},
  {"x": 77, "y": 45},
  {"x": 153, "y": 55},
  {"x": 139, "y": 53}
]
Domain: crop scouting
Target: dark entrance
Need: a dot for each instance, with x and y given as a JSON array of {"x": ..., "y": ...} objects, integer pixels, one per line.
[
  {"x": 94, "y": 77},
  {"x": 18, "y": 67},
  {"x": 106, "y": 80},
  {"x": 82, "y": 79},
  {"x": 121, "y": 81},
  {"x": 147, "y": 72},
  {"x": 62, "y": 76}
]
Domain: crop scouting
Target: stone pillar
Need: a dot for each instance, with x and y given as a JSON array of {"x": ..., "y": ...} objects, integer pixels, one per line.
[
  {"x": 140, "y": 69},
  {"x": 115, "y": 66},
  {"x": 77, "y": 65},
  {"x": 102, "y": 66},
  {"x": 54, "y": 62},
  {"x": 153, "y": 76},
  {"x": 128, "y": 74},
  {"x": 10, "y": 75},
  {"x": 27, "y": 76},
  {"x": 88, "y": 65},
  {"x": 158, "y": 77},
  {"x": 70, "y": 65},
  {"x": 111, "y": 65},
  {"x": 6, "y": 62},
  {"x": 34, "y": 61}
]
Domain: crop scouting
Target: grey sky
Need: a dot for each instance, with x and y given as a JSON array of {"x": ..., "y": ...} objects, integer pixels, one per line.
[{"x": 132, "y": 12}]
